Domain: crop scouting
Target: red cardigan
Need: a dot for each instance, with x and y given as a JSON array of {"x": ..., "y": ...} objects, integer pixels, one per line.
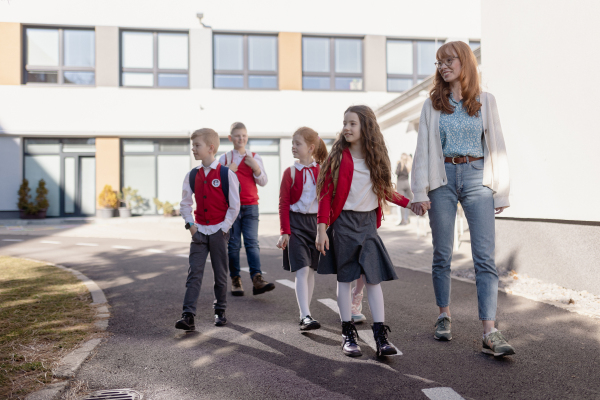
[
  {"x": 329, "y": 210},
  {"x": 289, "y": 195}
]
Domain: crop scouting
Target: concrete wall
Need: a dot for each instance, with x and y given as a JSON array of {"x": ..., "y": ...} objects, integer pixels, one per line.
[
  {"x": 11, "y": 173},
  {"x": 563, "y": 253},
  {"x": 107, "y": 56},
  {"x": 375, "y": 63},
  {"x": 201, "y": 61},
  {"x": 544, "y": 74},
  {"x": 10, "y": 52},
  {"x": 108, "y": 164}
]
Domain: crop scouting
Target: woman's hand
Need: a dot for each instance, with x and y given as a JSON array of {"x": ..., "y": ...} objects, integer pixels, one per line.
[
  {"x": 322, "y": 241},
  {"x": 499, "y": 210},
  {"x": 283, "y": 241},
  {"x": 420, "y": 207}
]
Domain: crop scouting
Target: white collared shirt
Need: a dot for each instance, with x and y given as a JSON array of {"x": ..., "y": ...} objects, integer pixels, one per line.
[
  {"x": 308, "y": 203},
  {"x": 361, "y": 196},
  {"x": 187, "y": 201},
  {"x": 261, "y": 180}
]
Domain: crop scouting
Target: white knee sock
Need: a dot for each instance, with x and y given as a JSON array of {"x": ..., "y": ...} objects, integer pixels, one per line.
[
  {"x": 304, "y": 289},
  {"x": 375, "y": 295},
  {"x": 344, "y": 300}
]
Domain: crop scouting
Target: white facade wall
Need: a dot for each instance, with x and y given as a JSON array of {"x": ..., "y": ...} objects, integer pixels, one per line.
[
  {"x": 111, "y": 111},
  {"x": 544, "y": 74}
]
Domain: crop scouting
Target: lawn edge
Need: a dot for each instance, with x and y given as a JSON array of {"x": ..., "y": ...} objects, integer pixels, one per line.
[{"x": 70, "y": 364}]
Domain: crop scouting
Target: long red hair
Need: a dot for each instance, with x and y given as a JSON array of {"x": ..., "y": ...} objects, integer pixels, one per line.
[{"x": 469, "y": 80}]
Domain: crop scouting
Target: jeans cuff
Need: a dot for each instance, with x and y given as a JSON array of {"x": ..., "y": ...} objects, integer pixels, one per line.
[{"x": 487, "y": 319}]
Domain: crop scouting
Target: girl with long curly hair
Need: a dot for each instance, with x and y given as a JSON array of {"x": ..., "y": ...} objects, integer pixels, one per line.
[
  {"x": 354, "y": 183},
  {"x": 298, "y": 218},
  {"x": 461, "y": 157}
]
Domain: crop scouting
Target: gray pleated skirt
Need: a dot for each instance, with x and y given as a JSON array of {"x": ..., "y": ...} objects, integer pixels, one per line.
[
  {"x": 301, "y": 250},
  {"x": 355, "y": 248}
]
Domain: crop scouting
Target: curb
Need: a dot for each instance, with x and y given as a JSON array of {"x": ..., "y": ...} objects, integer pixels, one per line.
[{"x": 70, "y": 364}]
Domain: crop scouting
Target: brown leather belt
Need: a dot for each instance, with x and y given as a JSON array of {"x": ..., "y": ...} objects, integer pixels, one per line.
[{"x": 461, "y": 160}]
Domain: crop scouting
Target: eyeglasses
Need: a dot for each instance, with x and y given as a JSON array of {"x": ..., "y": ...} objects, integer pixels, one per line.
[{"x": 448, "y": 61}]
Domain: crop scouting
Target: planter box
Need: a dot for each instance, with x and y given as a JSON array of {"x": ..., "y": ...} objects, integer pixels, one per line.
[
  {"x": 105, "y": 212},
  {"x": 40, "y": 215},
  {"x": 124, "y": 212}
]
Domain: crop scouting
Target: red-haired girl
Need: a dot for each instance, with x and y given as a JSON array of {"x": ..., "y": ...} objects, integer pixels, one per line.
[
  {"x": 298, "y": 218},
  {"x": 354, "y": 182}
]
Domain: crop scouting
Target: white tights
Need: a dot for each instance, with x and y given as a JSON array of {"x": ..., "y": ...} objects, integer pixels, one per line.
[
  {"x": 305, "y": 284},
  {"x": 374, "y": 293}
]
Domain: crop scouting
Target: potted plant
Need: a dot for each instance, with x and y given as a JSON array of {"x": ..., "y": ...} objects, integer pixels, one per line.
[
  {"x": 131, "y": 198},
  {"x": 108, "y": 202},
  {"x": 29, "y": 209},
  {"x": 168, "y": 208}
]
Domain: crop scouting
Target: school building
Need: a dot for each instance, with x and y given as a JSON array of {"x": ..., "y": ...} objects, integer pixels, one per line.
[{"x": 96, "y": 93}]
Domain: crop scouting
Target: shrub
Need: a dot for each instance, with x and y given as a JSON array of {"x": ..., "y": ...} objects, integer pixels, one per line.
[
  {"x": 41, "y": 199},
  {"x": 41, "y": 202},
  {"x": 167, "y": 207},
  {"x": 130, "y": 197},
  {"x": 24, "y": 196},
  {"x": 108, "y": 198}
]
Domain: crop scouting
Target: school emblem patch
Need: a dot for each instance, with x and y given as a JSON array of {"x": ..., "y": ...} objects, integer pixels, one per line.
[{"x": 216, "y": 183}]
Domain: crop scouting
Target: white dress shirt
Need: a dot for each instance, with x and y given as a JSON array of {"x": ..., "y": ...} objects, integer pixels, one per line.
[
  {"x": 185, "y": 207},
  {"x": 261, "y": 180},
  {"x": 308, "y": 203},
  {"x": 361, "y": 196}
]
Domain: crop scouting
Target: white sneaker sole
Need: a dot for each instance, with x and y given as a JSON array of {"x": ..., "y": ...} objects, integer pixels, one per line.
[{"x": 359, "y": 318}]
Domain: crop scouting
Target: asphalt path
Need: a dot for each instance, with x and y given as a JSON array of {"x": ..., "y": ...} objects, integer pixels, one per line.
[{"x": 261, "y": 354}]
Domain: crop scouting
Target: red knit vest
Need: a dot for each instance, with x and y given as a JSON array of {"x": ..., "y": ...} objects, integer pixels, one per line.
[
  {"x": 249, "y": 191},
  {"x": 211, "y": 204}
]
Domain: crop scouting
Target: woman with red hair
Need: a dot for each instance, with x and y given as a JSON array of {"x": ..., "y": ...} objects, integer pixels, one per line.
[{"x": 461, "y": 157}]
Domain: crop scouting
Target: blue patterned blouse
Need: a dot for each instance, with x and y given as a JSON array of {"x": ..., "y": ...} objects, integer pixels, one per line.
[{"x": 461, "y": 134}]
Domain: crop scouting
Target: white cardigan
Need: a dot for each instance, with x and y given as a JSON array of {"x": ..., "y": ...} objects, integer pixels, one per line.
[{"x": 428, "y": 171}]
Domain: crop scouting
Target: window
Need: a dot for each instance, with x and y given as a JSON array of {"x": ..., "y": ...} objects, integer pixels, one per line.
[
  {"x": 156, "y": 168},
  {"x": 60, "y": 56},
  {"x": 268, "y": 149},
  {"x": 409, "y": 62},
  {"x": 474, "y": 44},
  {"x": 332, "y": 64},
  {"x": 68, "y": 167},
  {"x": 154, "y": 59},
  {"x": 245, "y": 62}
]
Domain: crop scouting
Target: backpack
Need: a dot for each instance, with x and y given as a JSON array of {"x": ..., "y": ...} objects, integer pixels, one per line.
[{"x": 224, "y": 175}]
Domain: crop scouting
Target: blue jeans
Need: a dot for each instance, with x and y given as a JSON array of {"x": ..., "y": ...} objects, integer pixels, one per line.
[
  {"x": 465, "y": 184},
  {"x": 246, "y": 224}
]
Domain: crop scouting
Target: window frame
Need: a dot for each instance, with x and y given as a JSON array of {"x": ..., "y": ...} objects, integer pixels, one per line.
[
  {"x": 245, "y": 72},
  {"x": 61, "y": 68},
  {"x": 332, "y": 74},
  {"x": 415, "y": 76},
  {"x": 154, "y": 70}
]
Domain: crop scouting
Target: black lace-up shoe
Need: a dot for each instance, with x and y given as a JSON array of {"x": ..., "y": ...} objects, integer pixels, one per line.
[
  {"x": 349, "y": 345},
  {"x": 384, "y": 347},
  {"x": 308, "y": 323},
  {"x": 220, "y": 318},
  {"x": 186, "y": 322}
]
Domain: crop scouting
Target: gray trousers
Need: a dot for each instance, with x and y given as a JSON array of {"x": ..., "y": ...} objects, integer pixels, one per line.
[{"x": 201, "y": 246}]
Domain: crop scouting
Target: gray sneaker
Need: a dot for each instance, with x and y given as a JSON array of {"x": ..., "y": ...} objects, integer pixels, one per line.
[
  {"x": 495, "y": 343},
  {"x": 443, "y": 328}
]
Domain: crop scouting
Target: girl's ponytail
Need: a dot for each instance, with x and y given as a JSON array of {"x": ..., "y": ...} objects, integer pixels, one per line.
[{"x": 320, "y": 154}]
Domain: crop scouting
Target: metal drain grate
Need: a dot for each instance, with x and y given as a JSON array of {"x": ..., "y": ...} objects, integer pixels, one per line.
[{"x": 114, "y": 394}]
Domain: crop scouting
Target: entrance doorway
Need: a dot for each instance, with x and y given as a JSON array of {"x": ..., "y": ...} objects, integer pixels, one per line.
[{"x": 68, "y": 166}]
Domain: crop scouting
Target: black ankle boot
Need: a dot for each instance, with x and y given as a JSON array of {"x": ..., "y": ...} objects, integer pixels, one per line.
[
  {"x": 186, "y": 322},
  {"x": 349, "y": 345},
  {"x": 384, "y": 347},
  {"x": 220, "y": 318}
]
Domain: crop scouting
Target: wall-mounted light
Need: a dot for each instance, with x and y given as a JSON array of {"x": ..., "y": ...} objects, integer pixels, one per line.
[{"x": 200, "y": 16}]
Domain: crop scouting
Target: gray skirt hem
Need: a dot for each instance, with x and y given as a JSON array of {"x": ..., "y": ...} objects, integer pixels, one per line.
[
  {"x": 301, "y": 250},
  {"x": 355, "y": 249}
]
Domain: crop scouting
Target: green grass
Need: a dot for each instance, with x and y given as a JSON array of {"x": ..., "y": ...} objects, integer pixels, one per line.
[{"x": 45, "y": 312}]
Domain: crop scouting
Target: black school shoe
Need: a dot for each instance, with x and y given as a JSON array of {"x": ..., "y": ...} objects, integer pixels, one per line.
[
  {"x": 384, "y": 347},
  {"x": 186, "y": 322},
  {"x": 220, "y": 319},
  {"x": 308, "y": 323}
]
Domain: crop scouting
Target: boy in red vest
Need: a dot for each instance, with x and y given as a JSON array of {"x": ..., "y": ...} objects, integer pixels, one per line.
[
  {"x": 216, "y": 191},
  {"x": 250, "y": 171}
]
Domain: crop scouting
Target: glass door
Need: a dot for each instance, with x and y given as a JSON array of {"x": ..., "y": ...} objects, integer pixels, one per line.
[{"x": 79, "y": 196}]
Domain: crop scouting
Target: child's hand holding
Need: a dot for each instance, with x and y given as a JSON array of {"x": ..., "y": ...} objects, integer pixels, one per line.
[
  {"x": 322, "y": 242},
  {"x": 233, "y": 167},
  {"x": 283, "y": 241},
  {"x": 251, "y": 162}
]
